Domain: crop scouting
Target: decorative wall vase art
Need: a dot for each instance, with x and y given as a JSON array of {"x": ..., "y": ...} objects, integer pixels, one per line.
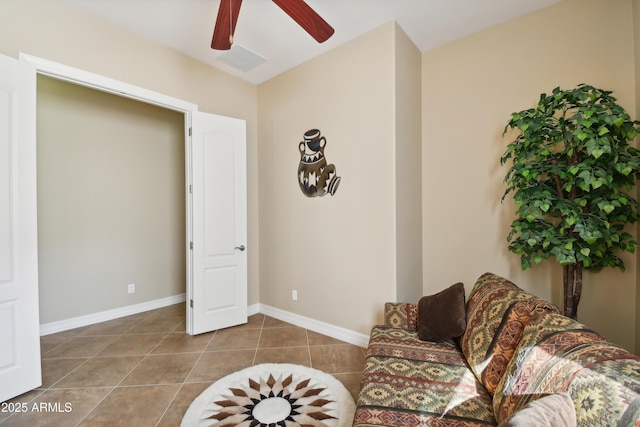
[{"x": 315, "y": 176}]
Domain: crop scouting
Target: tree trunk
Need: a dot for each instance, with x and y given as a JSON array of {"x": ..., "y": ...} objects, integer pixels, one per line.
[{"x": 572, "y": 281}]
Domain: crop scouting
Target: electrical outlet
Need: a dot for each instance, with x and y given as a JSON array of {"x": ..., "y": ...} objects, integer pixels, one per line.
[
  {"x": 294, "y": 295},
  {"x": 131, "y": 288}
]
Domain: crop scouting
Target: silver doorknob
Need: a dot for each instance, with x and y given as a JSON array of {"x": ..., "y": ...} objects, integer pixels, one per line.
[{"x": 241, "y": 247}]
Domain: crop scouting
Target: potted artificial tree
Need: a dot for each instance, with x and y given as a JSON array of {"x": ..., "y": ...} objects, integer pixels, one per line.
[{"x": 572, "y": 172}]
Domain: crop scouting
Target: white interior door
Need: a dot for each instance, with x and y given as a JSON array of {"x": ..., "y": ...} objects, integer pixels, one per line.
[
  {"x": 19, "y": 317},
  {"x": 217, "y": 293}
]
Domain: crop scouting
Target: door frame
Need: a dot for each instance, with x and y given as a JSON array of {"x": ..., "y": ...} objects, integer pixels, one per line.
[{"x": 126, "y": 90}]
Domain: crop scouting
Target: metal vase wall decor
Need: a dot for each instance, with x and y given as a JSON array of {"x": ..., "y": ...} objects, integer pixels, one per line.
[{"x": 315, "y": 176}]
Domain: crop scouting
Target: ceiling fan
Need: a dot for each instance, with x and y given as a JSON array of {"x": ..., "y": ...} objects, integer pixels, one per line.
[{"x": 300, "y": 11}]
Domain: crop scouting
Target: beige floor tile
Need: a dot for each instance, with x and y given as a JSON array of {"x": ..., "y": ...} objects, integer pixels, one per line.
[
  {"x": 181, "y": 342},
  {"x": 139, "y": 406},
  {"x": 270, "y": 322},
  {"x": 176, "y": 310},
  {"x": 319, "y": 339},
  {"x": 100, "y": 372},
  {"x": 162, "y": 369},
  {"x": 55, "y": 408},
  {"x": 351, "y": 381},
  {"x": 49, "y": 342},
  {"x": 235, "y": 339},
  {"x": 296, "y": 355},
  {"x": 216, "y": 364},
  {"x": 337, "y": 358},
  {"x": 129, "y": 345},
  {"x": 173, "y": 416},
  {"x": 283, "y": 337},
  {"x": 154, "y": 325},
  {"x": 20, "y": 400},
  {"x": 112, "y": 327},
  {"x": 80, "y": 347},
  {"x": 55, "y": 369}
]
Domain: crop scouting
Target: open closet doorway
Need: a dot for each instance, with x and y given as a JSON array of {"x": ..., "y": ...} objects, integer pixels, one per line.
[
  {"x": 111, "y": 201},
  {"x": 214, "y": 194}
]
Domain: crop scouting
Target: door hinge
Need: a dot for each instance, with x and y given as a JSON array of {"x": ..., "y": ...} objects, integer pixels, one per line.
[
  {"x": 190, "y": 188},
  {"x": 190, "y": 245},
  {"x": 189, "y": 131},
  {"x": 191, "y": 303}
]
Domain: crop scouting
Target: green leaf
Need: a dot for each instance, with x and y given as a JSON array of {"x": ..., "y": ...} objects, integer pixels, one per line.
[{"x": 571, "y": 168}]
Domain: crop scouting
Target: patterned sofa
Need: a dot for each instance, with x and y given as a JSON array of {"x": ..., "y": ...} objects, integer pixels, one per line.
[{"x": 516, "y": 349}]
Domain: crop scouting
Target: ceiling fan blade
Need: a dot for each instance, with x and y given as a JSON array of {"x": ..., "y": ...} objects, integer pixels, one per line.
[
  {"x": 225, "y": 24},
  {"x": 307, "y": 18}
]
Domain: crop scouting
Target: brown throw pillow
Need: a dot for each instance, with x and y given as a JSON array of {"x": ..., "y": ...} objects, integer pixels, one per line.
[{"x": 442, "y": 316}]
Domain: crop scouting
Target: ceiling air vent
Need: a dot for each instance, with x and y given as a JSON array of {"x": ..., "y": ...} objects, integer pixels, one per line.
[{"x": 240, "y": 58}]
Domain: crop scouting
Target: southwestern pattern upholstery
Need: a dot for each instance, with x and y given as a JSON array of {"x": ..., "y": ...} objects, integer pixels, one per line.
[
  {"x": 409, "y": 382},
  {"x": 401, "y": 315},
  {"x": 557, "y": 354},
  {"x": 516, "y": 349},
  {"x": 497, "y": 311}
]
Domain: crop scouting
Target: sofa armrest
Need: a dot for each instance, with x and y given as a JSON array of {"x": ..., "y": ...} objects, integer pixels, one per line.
[{"x": 401, "y": 315}]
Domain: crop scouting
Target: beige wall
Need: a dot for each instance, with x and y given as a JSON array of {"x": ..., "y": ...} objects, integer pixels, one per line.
[
  {"x": 338, "y": 252},
  {"x": 111, "y": 191},
  {"x": 408, "y": 168},
  {"x": 470, "y": 87},
  {"x": 60, "y": 33}
]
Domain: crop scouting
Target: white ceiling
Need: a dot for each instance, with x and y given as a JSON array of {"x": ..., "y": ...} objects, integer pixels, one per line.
[{"x": 264, "y": 29}]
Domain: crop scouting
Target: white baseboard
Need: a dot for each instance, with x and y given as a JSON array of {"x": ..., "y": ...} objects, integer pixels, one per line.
[
  {"x": 103, "y": 316},
  {"x": 327, "y": 329},
  {"x": 323, "y": 328}
]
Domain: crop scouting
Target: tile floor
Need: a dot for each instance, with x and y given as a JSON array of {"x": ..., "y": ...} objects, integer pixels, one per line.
[{"x": 143, "y": 370}]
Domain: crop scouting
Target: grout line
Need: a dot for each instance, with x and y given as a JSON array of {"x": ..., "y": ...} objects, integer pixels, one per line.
[
  {"x": 306, "y": 333},
  {"x": 204, "y": 350},
  {"x": 255, "y": 353},
  {"x": 95, "y": 406},
  {"x": 171, "y": 402}
]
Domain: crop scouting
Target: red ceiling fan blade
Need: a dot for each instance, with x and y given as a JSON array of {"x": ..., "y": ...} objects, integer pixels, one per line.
[
  {"x": 225, "y": 24},
  {"x": 307, "y": 18}
]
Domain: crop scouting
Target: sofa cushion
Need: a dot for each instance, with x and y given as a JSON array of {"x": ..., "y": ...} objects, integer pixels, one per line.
[
  {"x": 401, "y": 315},
  {"x": 497, "y": 311},
  {"x": 442, "y": 316},
  {"x": 557, "y": 354},
  {"x": 409, "y": 382},
  {"x": 553, "y": 410}
]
